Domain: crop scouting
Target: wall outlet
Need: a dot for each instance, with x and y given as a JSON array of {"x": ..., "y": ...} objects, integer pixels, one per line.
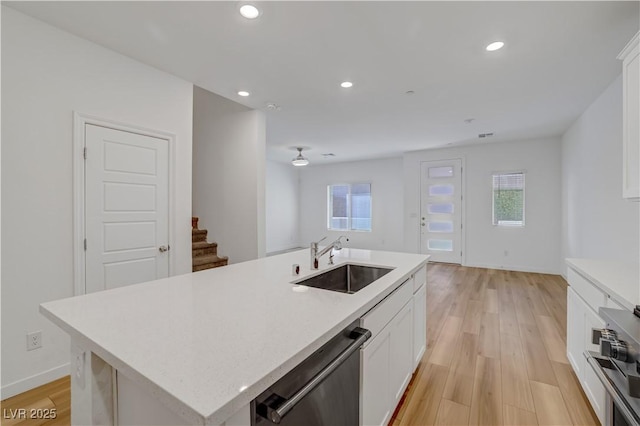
[{"x": 34, "y": 340}]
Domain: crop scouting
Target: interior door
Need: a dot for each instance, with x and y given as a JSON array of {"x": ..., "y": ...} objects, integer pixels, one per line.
[
  {"x": 126, "y": 208},
  {"x": 441, "y": 210}
]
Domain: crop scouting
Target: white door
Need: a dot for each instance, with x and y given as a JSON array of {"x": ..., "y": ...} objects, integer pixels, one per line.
[
  {"x": 401, "y": 366},
  {"x": 441, "y": 210},
  {"x": 126, "y": 208},
  {"x": 376, "y": 363}
]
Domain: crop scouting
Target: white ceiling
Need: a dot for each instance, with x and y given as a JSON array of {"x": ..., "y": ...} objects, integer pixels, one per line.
[{"x": 558, "y": 57}]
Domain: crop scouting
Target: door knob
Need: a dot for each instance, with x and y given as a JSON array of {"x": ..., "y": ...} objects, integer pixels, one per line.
[{"x": 162, "y": 249}]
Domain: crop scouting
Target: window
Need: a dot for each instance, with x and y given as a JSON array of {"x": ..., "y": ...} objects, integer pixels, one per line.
[
  {"x": 349, "y": 207},
  {"x": 508, "y": 199}
]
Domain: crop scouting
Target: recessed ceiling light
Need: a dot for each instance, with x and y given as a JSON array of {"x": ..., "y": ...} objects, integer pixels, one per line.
[
  {"x": 495, "y": 46},
  {"x": 249, "y": 11},
  {"x": 346, "y": 84},
  {"x": 243, "y": 93}
]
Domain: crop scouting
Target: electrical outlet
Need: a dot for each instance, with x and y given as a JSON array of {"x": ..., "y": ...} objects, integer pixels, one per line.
[{"x": 34, "y": 340}]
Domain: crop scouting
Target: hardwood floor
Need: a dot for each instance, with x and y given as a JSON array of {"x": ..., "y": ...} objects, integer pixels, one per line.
[
  {"x": 52, "y": 401},
  {"x": 496, "y": 353}
]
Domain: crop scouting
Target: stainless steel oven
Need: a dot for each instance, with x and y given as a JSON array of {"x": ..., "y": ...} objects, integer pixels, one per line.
[{"x": 617, "y": 366}]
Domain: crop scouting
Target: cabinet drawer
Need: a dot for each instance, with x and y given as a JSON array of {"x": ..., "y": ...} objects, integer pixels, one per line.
[
  {"x": 383, "y": 312},
  {"x": 587, "y": 291},
  {"x": 420, "y": 278}
]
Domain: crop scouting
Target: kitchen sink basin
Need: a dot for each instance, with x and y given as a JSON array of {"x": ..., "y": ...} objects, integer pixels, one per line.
[{"x": 347, "y": 278}]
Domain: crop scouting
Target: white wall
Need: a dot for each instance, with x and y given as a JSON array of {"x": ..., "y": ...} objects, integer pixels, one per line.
[
  {"x": 536, "y": 246},
  {"x": 385, "y": 177},
  {"x": 47, "y": 74},
  {"x": 229, "y": 174},
  {"x": 282, "y": 207},
  {"x": 597, "y": 221}
]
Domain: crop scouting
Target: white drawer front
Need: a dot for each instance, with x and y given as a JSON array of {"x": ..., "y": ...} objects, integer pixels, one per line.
[
  {"x": 587, "y": 291},
  {"x": 383, "y": 312},
  {"x": 420, "y": 278}
]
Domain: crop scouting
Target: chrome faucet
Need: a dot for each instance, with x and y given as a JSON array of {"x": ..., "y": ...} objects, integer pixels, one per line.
[{"x": 316, "y": 255}]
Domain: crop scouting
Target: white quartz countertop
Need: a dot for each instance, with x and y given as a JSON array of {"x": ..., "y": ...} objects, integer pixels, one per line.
[
  {"x": 205, "y": 344},
  {"x": 620, "y": 280}
]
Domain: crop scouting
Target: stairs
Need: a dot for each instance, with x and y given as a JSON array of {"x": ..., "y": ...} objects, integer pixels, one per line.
[{"x": 204, "y": 254}]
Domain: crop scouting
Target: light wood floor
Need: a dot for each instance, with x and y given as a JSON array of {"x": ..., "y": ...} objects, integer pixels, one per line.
[
  {"x": 52, "y": 396},
  {"x": 495, "y": 353}
]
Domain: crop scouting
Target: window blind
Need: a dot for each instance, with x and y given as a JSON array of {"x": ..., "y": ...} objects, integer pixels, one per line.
[{"x": 508, "y": 199}]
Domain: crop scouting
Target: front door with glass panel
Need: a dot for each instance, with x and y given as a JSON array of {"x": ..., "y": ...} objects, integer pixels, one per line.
[{"x": 441, "y": 210}]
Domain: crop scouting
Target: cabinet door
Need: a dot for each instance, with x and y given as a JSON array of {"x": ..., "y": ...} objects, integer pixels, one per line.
[
  {"x": 401, "y": 366},
  {"x": 376, "y": 399},
  {"x": 419, "y": 325},
  {"x": 575, "y": 331},
  {"x": 593, "y": 388}
]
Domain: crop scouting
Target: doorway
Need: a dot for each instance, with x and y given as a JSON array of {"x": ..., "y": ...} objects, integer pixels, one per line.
[
  {"x": 441, "y": 210},
  {"x": 123, "y": 207}
]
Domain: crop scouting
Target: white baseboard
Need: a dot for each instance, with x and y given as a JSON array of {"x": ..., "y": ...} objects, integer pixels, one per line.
[
  {"x": 15, "y": 388},
  {"x": 514, "y": 268}
]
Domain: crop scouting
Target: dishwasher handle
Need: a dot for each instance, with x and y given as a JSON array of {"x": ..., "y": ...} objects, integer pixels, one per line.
[{"x": 275, "y": 415}]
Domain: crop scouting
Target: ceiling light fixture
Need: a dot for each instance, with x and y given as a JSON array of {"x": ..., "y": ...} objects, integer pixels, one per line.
[
  {"x": 495, "y": 46},
  {"x": 346, "y": 84},
  {"x": 249, "y": 11},
  {"x": 300, "y": 160},
  {"x": 243, "y": 93}
]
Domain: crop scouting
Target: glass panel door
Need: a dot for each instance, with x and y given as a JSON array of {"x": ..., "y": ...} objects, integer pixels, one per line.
[{"x": 441, "y": 207}]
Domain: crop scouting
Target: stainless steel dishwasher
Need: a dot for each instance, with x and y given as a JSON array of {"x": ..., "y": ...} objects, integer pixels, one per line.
[{"x": 324, "y": 389}]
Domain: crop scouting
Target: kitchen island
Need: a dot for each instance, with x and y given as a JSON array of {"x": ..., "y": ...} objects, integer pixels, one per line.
[{"x": 197, "y": 348}]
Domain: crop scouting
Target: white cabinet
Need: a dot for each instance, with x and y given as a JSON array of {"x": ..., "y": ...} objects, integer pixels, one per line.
[
  {"x": 630, "y": 57},
  {"x": 419, "y": 325},
  {"x": 583, "y": 301},
  {"x": 401, "y": 366},
  {"x": 376, "y": 359},
  {"x": 592, "y": 386},
  {"x": 398, "y": 326},
  {"x": 387, "y": 365},
  {"x": 575, "y": 327}
]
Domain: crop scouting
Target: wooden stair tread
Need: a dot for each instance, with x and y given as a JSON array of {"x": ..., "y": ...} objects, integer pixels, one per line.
[
  {"x": 202, "y": 245},
  {"x": 204, "y": 255},
  {"x": 201, "y": 260}
]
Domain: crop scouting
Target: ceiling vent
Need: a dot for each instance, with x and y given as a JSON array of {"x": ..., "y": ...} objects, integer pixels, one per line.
[
  {"x": 485, "y": 135},
  {"x": 329, "y": 155}
]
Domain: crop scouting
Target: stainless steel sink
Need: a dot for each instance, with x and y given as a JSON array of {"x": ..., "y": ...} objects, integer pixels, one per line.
[{"x": 347, "y": 278}]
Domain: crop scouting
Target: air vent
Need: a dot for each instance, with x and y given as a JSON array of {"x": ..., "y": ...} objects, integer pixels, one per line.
[
  {"x": 328, "y": 155},
  {"x": 485, "y": 135}
]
